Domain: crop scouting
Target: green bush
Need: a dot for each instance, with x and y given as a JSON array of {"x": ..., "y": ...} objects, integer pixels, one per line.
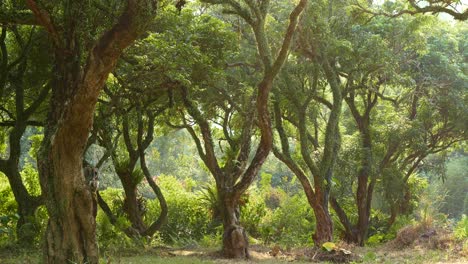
[
  {"x": 8, "y": 205},
  {"x": 108, "y": 235},
  {"x": 188, "y": 218},
  {"x": 7, "y": 228},
  {"x": 30, "y": 178},
  {"x": 291, "y": 224},
  {"x": 461, "y": 229},
  {"x": 252, "y": 212}
]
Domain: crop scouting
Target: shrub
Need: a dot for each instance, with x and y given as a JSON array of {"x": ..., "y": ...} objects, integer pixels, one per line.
[
  {"x": 292, "y": 224},
  {"x": 7, "y": 228},
  {"x": 8, "y": 205},
  {"x": 461, "y": 229},
  {"x": 252, "y": 213},
  {"x": 110, "y": 236},
  {"x": 188, "y": 219},
  {"x": 407, "y": 235}
]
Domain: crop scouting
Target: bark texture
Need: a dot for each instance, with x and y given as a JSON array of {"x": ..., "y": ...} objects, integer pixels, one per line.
[{"x": 71, "y": 230}]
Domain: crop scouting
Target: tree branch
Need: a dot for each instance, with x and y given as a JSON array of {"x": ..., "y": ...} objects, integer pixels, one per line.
[{"x": 44, "y": 19}]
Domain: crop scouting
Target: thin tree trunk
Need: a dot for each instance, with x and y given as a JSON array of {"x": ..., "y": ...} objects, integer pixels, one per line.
[
  {"x": 27, "y": 204},
  {"x": 162, "y": 219},
  {"x": 25, "y": 228},
  {"x": 349, "y": 229},
  {"x": 362, "y": 198}
]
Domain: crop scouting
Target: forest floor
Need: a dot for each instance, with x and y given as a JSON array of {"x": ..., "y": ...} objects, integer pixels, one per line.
[{"x": 259, "y": 254}]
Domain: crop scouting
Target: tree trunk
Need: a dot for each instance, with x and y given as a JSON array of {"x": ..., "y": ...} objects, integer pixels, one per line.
[
  {"x": 235, "y": 241},
  {"x": 76, "y": 85},
  {"x": 364, "y": 189},
  {"x": 350, "y": 231},
  {"x": 71, "y": 230},
  {"x": 131, "y": 203},
  {"x": 393, "y": 216},
  {"x": 324, "y": 226}
]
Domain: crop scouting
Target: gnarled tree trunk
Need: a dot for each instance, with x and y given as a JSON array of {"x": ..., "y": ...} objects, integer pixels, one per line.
[
  {"x": 235, "y": 240},
  {"x": 71, "y": 230}
]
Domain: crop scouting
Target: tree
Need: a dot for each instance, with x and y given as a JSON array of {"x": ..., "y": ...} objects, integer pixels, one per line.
[
  {"x": 302, "y": 109},
  {"x": 130, "y": 112},
  {"x": 83, "y": 59},
  {"x": 436, "y": 108},
  {"x": 385, "y": 148},
  {"x": 24, "y": 88},
  {"x": 231, "y": 186}
]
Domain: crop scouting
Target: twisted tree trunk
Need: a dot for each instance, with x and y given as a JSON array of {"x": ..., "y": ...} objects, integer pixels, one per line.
[
  {"x": 71, "y": 230},
  {"x": 235, "y": 240}
]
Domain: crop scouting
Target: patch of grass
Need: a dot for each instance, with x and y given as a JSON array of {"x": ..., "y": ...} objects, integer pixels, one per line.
[
  {"x": 161, "y": 260},
  {"x": 382, "y": 254}
]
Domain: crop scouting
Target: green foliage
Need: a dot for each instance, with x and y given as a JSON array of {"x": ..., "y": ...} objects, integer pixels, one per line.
[
  {"x": 370, "y": 257},
  {"x": 30, "y": 178},
  {"x": 36, "y": 140},
  {"x": 408, "y": 64},
  {"x": 291, "y": 224},
  {"x": 252, "y": 212},
  {"x": 188, "y": 219},
  {"x": 7, "y": 228},
  {"x": 8, "y": 205},
  {"x": 208, "y": 196},
  {"x": 328, "y": 246},
  {"x": 110, "y": 236},
  {"x": 34, "y": 228},
  {"x": 454, "y": 188},
  {"x": 461, "y": 229}
]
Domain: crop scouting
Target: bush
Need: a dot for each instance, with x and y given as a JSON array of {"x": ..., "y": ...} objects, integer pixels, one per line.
[
  {"x": 8, "y": 205},
  {"x": 110, "y": 236},
  {"x": 188, "y": 219},
  {"x": 292, "y": 224},
  {"x": 252, "y": 213},
  {"x": 7, "y": 228},
  {"x": 461, "y": 229},
  {"x": 407, "y": 235}
]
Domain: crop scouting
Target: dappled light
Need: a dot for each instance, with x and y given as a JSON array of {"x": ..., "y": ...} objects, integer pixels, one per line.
[{"x": 233, "y": 131}]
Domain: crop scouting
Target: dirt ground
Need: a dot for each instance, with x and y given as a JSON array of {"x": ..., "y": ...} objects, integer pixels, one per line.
[{"x": 261, "y": 254}]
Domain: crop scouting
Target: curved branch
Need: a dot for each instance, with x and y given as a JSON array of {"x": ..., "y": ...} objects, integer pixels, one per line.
[{"x": 431, "y": 8}]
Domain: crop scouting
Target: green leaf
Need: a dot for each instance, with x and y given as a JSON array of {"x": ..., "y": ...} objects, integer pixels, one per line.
[{"x": 328, "y": 246}]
